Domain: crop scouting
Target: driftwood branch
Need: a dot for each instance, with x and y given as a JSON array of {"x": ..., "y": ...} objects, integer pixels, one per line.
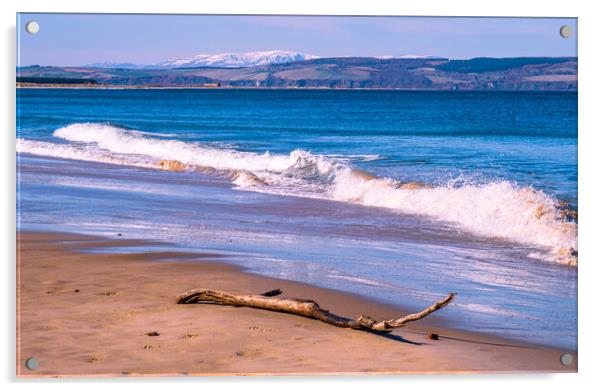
[{"x": 306, "y": 308}]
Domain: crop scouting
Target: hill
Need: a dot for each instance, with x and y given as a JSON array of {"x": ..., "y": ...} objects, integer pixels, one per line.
[{"x": 525, "y": 73}]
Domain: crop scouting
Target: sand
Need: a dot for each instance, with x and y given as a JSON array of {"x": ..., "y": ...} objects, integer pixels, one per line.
[{"x": 89, "y": 314}]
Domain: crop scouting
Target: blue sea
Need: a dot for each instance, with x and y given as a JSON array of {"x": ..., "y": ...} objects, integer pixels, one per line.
[{"x": 402, "y": 196}]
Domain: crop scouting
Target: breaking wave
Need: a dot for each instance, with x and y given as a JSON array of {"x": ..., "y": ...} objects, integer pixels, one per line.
[{"x": 498, "y": 209}]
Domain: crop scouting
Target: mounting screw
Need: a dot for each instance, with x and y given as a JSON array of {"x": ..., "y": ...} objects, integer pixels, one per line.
[
  {"x": 566, "y": 359},
  {"x": 32, "y": 27},
  {"x": 32, "y": 363},
  {"x": 565, "y": 31}
]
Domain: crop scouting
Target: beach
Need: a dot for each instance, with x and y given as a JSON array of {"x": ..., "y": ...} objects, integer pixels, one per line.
[
  {"x": 84, "y": 312},
  {"x": 367, "y": 202},
  {"x": 399, "y": 196}
]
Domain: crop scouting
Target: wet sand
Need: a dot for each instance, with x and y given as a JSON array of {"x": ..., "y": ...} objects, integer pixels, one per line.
[{"x": 89, "y": 314}]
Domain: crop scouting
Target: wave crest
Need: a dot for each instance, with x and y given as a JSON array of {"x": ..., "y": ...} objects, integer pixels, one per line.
[{"x": 499, "y": 209}]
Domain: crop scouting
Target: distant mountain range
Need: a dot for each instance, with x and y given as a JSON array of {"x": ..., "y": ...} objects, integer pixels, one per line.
[
  {"x": 281, "y": 69},
  {"x": 222, "y": 60},
  {"x": 236, "y": 60}
]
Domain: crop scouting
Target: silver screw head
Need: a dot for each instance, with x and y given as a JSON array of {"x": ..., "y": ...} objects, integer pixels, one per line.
[
  {"x": 566, "y": 31},
  {"x": 32, "y": 27},
  {"x": 32, "y": 363},
  {"x": 566, "y": 359}
]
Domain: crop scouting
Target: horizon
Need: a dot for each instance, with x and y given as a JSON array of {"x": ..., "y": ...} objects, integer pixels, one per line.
[
  {"x": 105, "y": 64},
  {"x": 146, "y": 39}
]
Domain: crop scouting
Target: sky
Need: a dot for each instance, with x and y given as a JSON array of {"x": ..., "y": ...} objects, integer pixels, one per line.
[{"x": 79, "y": 39}]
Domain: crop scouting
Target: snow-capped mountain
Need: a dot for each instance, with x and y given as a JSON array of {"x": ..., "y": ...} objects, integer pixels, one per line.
[{"x": 236, "y": 60}]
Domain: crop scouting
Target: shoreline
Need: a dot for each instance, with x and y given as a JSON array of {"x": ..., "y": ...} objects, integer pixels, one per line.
[
  {"x": 97, "y": 307},
  {"x": 148, "y": 87}
]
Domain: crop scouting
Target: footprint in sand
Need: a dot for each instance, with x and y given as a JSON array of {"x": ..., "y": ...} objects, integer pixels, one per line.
[{"x": 250, "y": 353}]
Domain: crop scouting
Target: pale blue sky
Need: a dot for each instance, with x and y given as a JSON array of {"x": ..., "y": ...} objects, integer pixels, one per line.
[{"x": 77, "y": 39}]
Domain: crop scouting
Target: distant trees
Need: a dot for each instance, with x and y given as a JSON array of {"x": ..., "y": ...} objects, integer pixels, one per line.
[
  {"x": 486, "y": 64},
  {"x": 54, "y": 80}
]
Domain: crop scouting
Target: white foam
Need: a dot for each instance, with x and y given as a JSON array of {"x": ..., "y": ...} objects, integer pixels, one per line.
[
  {"x": 359, "y": 280},
  {"x": 498, "y": 209},
  {"x": 356, "y": 157},
  {"x": 127, "y": 142},
  {"x": 88, "y": 153}
]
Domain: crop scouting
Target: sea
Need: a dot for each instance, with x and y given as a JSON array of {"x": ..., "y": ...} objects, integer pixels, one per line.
[{"x": 399, "y": 196}]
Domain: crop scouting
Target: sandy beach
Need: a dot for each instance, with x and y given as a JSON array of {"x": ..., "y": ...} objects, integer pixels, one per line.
[{"x": 90, "y": 314}]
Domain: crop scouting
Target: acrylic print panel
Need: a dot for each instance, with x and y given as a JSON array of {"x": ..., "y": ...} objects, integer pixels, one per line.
[{"x": 196, "y": 192}]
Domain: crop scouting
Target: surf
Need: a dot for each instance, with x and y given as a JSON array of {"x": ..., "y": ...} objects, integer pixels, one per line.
[{"x": 497, "y": 209}]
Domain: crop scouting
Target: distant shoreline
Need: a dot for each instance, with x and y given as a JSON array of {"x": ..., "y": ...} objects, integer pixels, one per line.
[
  {"x": 198, "y": 87},
  {"x": 477, "y": 74}
]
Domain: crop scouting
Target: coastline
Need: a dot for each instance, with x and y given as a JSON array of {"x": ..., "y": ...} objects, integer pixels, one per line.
[
  {"x": 82, "y": 323},
  {"x": 193, "y": 87}
]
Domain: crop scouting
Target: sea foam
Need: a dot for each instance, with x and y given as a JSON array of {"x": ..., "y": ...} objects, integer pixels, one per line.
[{"x": 498, "y": 209}]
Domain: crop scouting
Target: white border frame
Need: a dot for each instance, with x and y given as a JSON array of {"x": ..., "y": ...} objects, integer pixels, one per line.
[{"x": 589, "y": 178}]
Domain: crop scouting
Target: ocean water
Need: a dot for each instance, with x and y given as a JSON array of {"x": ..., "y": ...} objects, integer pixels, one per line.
[{"x": 402, "y": 196}]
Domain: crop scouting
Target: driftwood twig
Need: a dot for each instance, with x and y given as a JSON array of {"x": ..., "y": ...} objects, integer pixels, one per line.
[{"x": 307, "y": 308}]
